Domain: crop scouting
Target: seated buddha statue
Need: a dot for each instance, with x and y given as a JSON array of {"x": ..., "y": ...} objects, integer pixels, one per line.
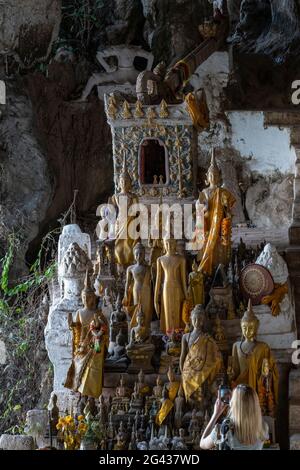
[
  {"x": 140, "y": 349},
  {"x": 248, "y": 358}
]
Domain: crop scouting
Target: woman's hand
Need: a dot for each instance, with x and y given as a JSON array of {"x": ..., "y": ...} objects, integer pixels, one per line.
[{"x": 219, "y": 407}]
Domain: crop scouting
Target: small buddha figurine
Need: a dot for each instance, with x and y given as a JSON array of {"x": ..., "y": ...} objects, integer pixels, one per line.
[
  {"x": 266, "y": 390},
  {"x": 200, "y": 359},
  {"x": 158, "y": 388},
  {"x": 178, "y": 442},
  {"x": 196, "y": 286},
  {"x": 140, "y": 334},
  {"x": 219, "y": 331},
  {"x": 103, "y": 412},
  {"x": 53, "y": 413},
  {"x": 155, "y": 180},
  {"x": 136, "y": 403},
  {"x": 90, "y": 341},
  {"x": 123, "y": 243},
  {"x": 143, "y": 388},
  {"x": 170, "y": 391},
  {"x": 121, "y": 390},
  {"x": 248, "y": 356},
  {"x": 194, "y": 427},
  {"x": 170, "y": 288},
  {"x": 179, "y": 404},
  {"x": 90, "y": 409},
  {"x": 140, "y": 349},
  {"x": 121, "y": 438},
  {"x": 138, "y": 288},
  {"x": 218, "y": 203},
  {"x": 118, "y": 315}
]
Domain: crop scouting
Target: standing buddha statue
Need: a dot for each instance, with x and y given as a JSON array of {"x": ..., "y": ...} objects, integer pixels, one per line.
[
  {"x": 123, "y": 201},
  {"x": 248, "y": 356},
  {"x": 171, "y": 276},
  {"x": 200, "y": 359},
  {"x": 138, "y": 289},
  {"x": 218, "y": 203},
  {"x": 196, "y": 286},
  {"x": 90, "y": 341}
]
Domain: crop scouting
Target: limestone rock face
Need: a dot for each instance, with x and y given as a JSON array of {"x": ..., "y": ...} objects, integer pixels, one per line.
[
  {"x": 270, "y": 28},
  {"x": 25, "y": 188},
  {"x": 16, "y": 442},
  {"x": 269, "y": 203},
  {"x": 171, "y": 28},
  {"x": 29, "y": 28}
]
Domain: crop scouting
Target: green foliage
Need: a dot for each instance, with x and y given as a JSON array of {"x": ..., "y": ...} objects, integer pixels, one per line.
[
  {"x": 80, "y": 19},
  {"x": 22, "y": 325}
]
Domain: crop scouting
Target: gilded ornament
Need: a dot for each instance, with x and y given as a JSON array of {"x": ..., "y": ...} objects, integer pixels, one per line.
[
  {"x": 126, "y": 113},
  {"x": 163, "y": 112},
  {"x": 138, "y": 113}
]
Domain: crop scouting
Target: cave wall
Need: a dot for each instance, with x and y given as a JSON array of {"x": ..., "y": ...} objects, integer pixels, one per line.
[{"x": 260, "y": 158}]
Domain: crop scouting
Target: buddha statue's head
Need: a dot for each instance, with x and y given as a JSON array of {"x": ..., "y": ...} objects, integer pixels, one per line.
[
  {"x": 170, "y": 245},
  {"x": 139, "y": 252},
  {"x": 171, "y": 374},
  {"x": 249, "y": 323},
  {"x": 198, "y": 317},
  {"x": 213, "y": 175},
  {"x": 88, "y": 296}
]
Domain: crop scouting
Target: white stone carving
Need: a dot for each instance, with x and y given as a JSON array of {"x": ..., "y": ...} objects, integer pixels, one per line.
[
  {"x": 272, "y": 260},
  {"x": 57, "y": 334},
  {"x": 119, "y": 77}
]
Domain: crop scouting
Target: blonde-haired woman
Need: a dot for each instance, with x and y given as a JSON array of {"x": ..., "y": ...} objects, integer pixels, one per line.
[{"x": 243, "y": 427}]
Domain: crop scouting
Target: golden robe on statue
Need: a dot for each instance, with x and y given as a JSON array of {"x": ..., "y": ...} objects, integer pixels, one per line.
[
  {"x": 217, "y": 229},
  {"x": 85, "y": 374},
  {"x": 252, "y": 366},
  {"x": 124, "y": 243},
  {"x": 202, "y": 363}
]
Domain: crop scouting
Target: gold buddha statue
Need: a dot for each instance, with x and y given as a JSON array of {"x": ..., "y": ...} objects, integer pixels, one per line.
[
  {"x": 170, "y": 288},
  {"x": 90, "y": 342},
  {"x": 138, "y": 289},
  {"x": 266, "y": 392},
  {"x": 200, "y": 359},
  {"x": 124, "y": 243},
  {"x": 218, "y": 203},
  {"x": 170, "y": 391},
  {"x": 196, "y": 286},
  {"x": 249, "y": 355}
]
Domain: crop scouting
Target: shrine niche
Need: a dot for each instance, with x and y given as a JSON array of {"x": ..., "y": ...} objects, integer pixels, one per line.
[
  {"x": 158, "y": 146},
  {"x": 153, "y": 163}
]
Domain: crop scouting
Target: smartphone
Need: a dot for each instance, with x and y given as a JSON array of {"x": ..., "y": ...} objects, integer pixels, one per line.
[{"x": 225, "y": 394}]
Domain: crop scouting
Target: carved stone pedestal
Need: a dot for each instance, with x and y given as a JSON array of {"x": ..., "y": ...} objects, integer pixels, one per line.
[{"x": 140, "y": 357}]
